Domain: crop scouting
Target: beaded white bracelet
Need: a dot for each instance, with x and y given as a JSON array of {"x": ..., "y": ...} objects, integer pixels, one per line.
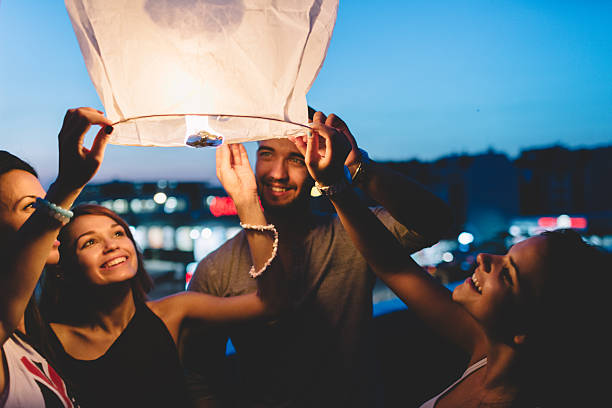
[
  {"x": 54, "y": 210},
  {"x": 270, "y": 227}
]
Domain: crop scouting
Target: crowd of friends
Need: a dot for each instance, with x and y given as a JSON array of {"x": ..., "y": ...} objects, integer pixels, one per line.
[{"x": 531, "y": 321}]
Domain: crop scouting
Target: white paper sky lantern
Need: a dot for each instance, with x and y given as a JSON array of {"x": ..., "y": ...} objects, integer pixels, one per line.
[{"x": 177, "y": 72}]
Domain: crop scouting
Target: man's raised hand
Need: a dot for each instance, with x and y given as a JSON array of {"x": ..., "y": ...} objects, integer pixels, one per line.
[{"x": 235, "y": 173}]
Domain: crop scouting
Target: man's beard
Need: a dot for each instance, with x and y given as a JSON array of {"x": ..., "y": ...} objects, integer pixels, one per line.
[{"x": 295, "y": 208}]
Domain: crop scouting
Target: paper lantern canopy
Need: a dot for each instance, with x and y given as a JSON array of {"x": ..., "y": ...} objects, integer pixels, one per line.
[{"x": 195, "y": 72}]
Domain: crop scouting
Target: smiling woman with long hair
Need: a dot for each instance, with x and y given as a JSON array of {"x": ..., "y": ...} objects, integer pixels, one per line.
[
  {"x": 114, "y": 346},
  {"x": 533, "y": 320}
]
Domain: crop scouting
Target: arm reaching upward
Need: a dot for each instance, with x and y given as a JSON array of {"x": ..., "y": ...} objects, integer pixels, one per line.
[
  {"x": 235, "y": 173},
  {"x": 392, "y": 263},
  {"x": 406, "y": 200},
  {"x": 27, "y": 250}
]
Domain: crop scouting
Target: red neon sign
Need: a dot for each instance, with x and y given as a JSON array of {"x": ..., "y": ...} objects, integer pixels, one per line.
[
  {"x": 552, "y": 222},
  {"x": 547, "y": 222},
  {"x": 188, "y": 277},
  {"x": 221, "y": 206},
  {"x": 579, "y": 222}
]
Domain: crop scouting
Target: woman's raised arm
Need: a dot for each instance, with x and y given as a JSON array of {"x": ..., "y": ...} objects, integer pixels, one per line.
[
  {"x": 393, "y": 264},
  {"x": 26, "y": 251}
]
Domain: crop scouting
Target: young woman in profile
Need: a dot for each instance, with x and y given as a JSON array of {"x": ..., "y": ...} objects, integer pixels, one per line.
[
  {"x": 28, "y": 230},
  {"x": 115, "y": 347},
  {"x": 532, "y": 320}
]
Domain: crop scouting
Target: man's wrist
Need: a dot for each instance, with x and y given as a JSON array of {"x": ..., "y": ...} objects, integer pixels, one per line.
[
  {"x": 246, "y": 201},
  {"x": 331, "y": 188},
  {"x": 359, "y": 169}
]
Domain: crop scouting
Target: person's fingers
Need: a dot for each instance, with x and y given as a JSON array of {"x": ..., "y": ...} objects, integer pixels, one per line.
[
  {"x": 312, "y": 146},
  {"x": 222, "y": 159},
  {"x": 326, "y": 149},
  {"x": 98, "y": 146},
  {"x": 235, "y": 155},
  {"x": 319, "y": 117},
  {"x": 300, "y": 143},
  {"x": 74, "y": 125},
  {"x": 322, "y": 129},
  {"x": 77, "y": 122},
  {"x": 244, "y": 157},
  {"x": 335, "y": 122},
  {"x": 94, "y": 116}
]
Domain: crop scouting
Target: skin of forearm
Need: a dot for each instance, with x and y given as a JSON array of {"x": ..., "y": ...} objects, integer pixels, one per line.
[
  {"x": 61, "y": 195},
  {"x": 388, "y": 259},
  {"x": 377, "y": 245},
  {"x": 273, "y": 283},
  {"x": 26, "y": 255},
  {"x": 260, "y": 242},
  {"x": 407, "y": 201},
  {"x": 25, "y": 258},
  {"x": 394, "y": 266}
]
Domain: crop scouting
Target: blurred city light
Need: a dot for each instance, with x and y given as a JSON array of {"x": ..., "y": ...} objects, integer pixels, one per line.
[
  {"x": 206, "y": 233},
  {"x": 564, "y": 221},
  {"x": 514, "y": 230},
  {"x": 120, "y": 206},
  {"x": 136, "y": 205},
  {"x": 168, "y": 237},
  {"x": 155, "y": 237},
  {"x": 170, "y": 205},
  {"x": 184, "y": 242},
  {"x": 149, "y": 205},
  {"x": 195, "y": 233},
  {"x": 140, "y": 236},
  {"x": 465, "y": 238},
  {"x": 160, "y": 198}
]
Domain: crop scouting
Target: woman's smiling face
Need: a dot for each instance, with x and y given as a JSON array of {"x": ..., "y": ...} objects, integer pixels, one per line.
[
  {"x": 103, "y": 251},
  {"x": 502, "y": 282}
]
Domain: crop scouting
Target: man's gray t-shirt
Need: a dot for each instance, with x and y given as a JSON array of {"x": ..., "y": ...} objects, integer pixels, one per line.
[{"x": 318, "y": 355}]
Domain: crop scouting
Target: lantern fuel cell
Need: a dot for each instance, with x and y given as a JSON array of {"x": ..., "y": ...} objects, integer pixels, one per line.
[{"x": 203, "y": 72}]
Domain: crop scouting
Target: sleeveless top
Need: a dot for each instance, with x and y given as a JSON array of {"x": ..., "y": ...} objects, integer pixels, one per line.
[
  {"x": 432, "y": 402},
  {"x": 31, "y": 381},
  {"x": 140, "y": 369}
]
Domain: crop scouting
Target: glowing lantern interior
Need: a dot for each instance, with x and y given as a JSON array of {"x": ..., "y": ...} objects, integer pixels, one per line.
[{"x": 195, "y": 72}]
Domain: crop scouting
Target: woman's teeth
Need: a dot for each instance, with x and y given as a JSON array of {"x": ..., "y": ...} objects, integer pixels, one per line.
[
  {"x": 114, "y": 262},
  {"x": 476, "y": 283}
]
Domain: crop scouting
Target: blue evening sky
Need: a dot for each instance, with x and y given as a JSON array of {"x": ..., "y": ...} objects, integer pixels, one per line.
[{"x": 413, "y": 79}]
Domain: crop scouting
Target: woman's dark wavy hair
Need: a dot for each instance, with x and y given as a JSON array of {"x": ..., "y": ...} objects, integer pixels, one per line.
[
  {"x": 567, "y": 341},
  {"x": 10, "y": 162},
  {"x": 64, "y": 291}
]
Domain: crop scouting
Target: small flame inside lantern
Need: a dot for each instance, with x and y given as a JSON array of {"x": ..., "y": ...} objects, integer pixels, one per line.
[{"x": 199, "y": 132}]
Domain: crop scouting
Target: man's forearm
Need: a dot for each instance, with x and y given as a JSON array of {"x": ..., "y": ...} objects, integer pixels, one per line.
[{"x": 407, "y": 201}]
